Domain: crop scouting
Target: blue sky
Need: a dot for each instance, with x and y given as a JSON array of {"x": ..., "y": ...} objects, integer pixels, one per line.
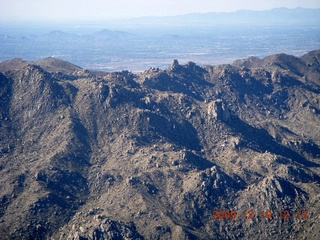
[{"x": 115, "y": 9}]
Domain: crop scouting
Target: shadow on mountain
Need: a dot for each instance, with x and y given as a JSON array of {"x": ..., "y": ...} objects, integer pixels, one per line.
[
  {"x": 186, "y": 79},
  {"x": 197, "y": 161},
  {"x": 154, "y": 126},
  {"x": 261, "y": 140}
]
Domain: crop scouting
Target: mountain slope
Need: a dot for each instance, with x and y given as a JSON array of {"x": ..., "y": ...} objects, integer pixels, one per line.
[{"x": 155, "y": 155}]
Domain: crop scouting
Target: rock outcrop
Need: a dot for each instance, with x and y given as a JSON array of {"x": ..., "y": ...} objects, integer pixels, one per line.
[
  {"x": 188, "y": 152},
  {"x": 218, "y": 111}
]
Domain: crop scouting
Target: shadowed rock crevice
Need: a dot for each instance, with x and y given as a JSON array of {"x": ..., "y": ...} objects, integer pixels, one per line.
[
  {"x": 97, "y": 155},
  {"x": 260, "y": 140}
]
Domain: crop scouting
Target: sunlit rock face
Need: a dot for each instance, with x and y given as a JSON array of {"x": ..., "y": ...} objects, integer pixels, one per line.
[{"x": 188, "y": 152}]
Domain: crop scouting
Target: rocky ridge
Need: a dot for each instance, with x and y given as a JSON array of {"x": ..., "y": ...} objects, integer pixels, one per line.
[{"x": 94, "y": 155}]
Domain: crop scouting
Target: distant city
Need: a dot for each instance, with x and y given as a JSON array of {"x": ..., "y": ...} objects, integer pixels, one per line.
[{"x": 154, "y": 42}]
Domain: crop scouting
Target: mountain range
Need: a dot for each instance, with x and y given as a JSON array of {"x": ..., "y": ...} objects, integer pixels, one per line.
[
  {"x": 276, "y": 16},
  {"x": 136, "y": 44},
  {"x": 228, "y": 151}
]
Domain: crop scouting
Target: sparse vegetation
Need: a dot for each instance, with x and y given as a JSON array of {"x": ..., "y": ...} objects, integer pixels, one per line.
[{"x": 93, "y": 155}]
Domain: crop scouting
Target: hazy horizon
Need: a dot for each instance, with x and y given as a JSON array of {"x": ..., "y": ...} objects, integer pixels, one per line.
[
  {"x": 136, "y": 44},
  {"x": 83, "y": 10}
]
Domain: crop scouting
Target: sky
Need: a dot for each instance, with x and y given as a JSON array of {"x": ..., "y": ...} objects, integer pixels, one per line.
[{"x": 57, "y": 10}]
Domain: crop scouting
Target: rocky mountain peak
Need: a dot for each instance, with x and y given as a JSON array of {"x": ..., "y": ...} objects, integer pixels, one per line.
[
  {"x": 175, "y": 64},
  {"x": 155, "y": 155}
]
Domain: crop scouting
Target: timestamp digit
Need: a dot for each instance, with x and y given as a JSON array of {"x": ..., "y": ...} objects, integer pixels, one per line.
[
  {"x": 216, "y": 215},
  {"x": 228, "y": 215},
  {"x": 284, "y": 214},
  {"x": 233, "y": 214},
  {"x": 268, "y": 214},
  {"x": 222, "y": 214},
  {"x": 302, "y": 214},
  {"x": 251, "y": 214}
]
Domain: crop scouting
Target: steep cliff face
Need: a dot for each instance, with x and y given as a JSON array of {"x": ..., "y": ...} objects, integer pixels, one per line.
[{"x": 92, "y": 155}]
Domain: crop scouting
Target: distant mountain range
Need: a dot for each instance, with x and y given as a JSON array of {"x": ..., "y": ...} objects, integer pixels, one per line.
[
  {"x": 268, "y": 17},
  {"x": 136, "y": 44}
]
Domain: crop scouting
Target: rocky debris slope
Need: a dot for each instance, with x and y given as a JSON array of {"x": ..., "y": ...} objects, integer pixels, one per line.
[{"x": 155, "y": 155}]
